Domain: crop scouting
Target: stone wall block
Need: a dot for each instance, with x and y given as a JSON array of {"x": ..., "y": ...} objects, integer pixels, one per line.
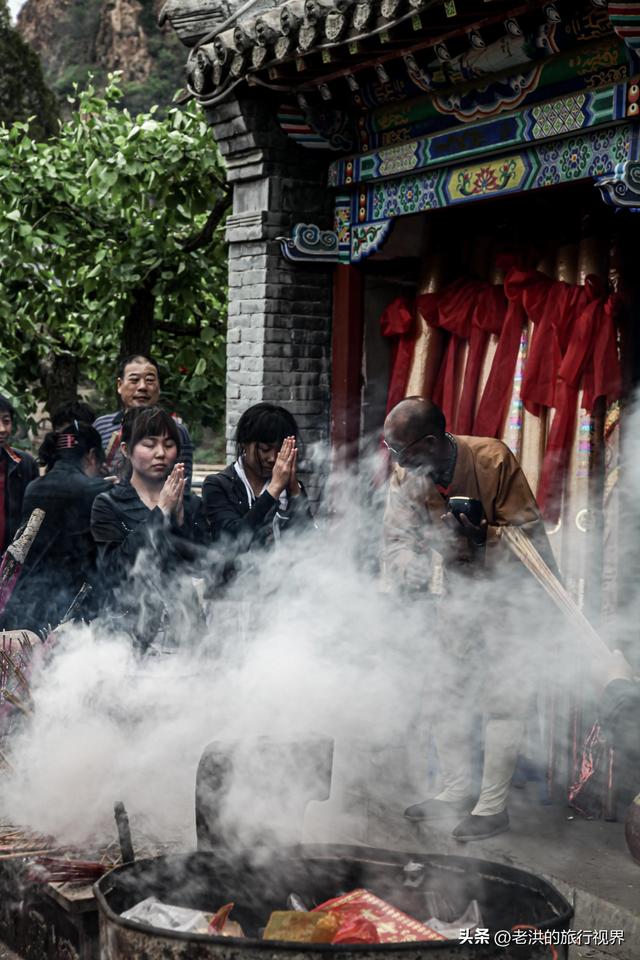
[
  {"x": 249, "y": 378},
  {"x": 244, "y": 349},
  {"x": 279, "y": 319}
]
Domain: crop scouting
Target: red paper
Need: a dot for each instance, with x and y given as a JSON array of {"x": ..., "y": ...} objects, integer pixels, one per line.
[{"x": 391, "y": 925}]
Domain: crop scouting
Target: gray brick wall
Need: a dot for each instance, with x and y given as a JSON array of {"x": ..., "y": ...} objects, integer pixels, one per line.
[{"x": 278, "y": 343}]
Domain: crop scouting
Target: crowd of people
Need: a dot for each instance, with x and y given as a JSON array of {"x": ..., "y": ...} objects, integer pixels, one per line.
[
  {"x": 119, "y": 486},
  {"x": 121, "y": 522}
]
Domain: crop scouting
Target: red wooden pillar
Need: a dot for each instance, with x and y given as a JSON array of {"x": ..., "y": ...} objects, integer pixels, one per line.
[{"x": 346, "y": 362}]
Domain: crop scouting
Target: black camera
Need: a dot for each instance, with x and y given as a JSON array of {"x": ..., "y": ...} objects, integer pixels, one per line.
[{"x": 472, "y": 509}]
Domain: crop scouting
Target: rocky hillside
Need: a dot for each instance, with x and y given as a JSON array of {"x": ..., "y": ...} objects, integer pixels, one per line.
[
  {"x": 23, "y": 92},
  {"x": 76, "y": 37}
]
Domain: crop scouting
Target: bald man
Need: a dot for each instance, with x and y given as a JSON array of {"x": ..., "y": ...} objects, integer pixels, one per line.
[{"x": 481, "y": 652}]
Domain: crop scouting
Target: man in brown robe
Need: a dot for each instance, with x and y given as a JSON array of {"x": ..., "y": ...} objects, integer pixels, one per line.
[{"x": 481, "y": 649}]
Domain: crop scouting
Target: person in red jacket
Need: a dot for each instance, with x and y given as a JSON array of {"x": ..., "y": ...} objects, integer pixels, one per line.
[{"x": 17, "y": 470}]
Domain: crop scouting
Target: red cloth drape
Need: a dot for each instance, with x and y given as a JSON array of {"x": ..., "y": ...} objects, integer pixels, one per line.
[
  {"x": 585, "y": 343},
  {"x": 492, "y": 409},
  {"x": 452, "y": 310},
  {"x": 488, "y": 318},
  {"x": 591, "y": 358},
  {"x": 552, "y": 306},
  {"x": 398, "y": 323}
]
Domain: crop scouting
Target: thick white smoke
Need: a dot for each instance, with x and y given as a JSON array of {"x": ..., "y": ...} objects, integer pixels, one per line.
[{"x": 306, "y": 642}]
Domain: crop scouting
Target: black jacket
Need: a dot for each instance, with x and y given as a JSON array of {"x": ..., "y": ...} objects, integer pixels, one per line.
[
  {"x": 63, "y": 555},
  {"x": 227, "y": 509},
  {"x": 21, "y": 470},
  {"x": 122, "y": 526}
]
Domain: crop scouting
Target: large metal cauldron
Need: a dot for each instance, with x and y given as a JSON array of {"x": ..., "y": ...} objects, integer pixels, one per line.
[{"x": 317, "y": 872}]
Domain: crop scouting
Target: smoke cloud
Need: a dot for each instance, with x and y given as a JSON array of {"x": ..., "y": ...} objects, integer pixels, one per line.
[{"x": 305, "y": 642}]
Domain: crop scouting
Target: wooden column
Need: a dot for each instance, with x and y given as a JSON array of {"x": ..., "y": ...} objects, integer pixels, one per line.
[{"x": 346, "y": 362}]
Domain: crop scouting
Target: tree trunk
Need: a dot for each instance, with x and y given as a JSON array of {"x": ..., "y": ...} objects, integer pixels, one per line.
[
  {"x": 137, "y": 330},
  {"x": 60, "y": 376}
]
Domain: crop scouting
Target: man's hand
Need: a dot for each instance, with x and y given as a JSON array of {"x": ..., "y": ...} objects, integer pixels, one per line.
[{"x": 475, "y": 533}]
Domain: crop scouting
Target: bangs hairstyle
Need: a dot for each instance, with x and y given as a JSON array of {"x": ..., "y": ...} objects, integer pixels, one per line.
[
  {"x": 141, "y": 422},
  {"x": 265, "y": 423}
]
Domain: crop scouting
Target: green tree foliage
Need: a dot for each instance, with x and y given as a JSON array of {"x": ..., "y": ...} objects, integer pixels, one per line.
[
  {"x": 111, "y": 242},
  {"x": 23, "y": 92}
]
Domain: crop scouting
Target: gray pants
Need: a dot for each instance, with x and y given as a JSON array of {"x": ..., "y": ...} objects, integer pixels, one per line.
[{"x": 480, "y": 673}]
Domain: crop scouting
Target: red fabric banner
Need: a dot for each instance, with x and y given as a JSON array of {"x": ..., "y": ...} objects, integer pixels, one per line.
[
  {"x": 488, "y": 318},
  {"x": 489, "y": 421},
  {"x": 398, "y": 323},
  {"x": 456, "y": 305},
  {"x": 587, "y": 342}
]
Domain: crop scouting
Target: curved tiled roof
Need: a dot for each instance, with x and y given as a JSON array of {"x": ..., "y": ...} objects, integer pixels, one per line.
[{"x": 282, "y": 44}]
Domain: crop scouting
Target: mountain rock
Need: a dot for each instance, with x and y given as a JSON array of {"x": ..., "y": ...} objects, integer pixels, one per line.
[
  {"x": 23, "y": 91},
  {"x": 75, "y": 38}
]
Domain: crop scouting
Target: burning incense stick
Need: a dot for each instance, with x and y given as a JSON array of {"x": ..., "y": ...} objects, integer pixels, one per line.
[
  {"x": 524, "y": 549},
  {"x": 18, "y": 704},
  {"x": 9, "y": 665}
]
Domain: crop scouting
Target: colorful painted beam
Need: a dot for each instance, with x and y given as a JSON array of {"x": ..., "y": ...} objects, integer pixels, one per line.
[
  {"x": 596, "y": 64},
  {"x": 562, "y": 117},
  {"x": 562, "y": 31},
  {"x": 308, "y": 243},
  {"x": 625, "y": 19},
  {"x": 363, "y": 218},
  {"x": 588, "y": 155},
  {"x": 622, "y": 187}
]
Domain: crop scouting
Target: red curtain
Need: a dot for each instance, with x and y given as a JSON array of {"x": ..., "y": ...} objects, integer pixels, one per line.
[{"x": 398, "y": 323}]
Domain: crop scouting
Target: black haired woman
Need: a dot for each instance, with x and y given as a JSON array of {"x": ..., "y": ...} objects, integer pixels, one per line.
[
  {"x": 63, "y": 556},
  {"x": 259, "y": 496},
  {"x": 148, "y": 511}
]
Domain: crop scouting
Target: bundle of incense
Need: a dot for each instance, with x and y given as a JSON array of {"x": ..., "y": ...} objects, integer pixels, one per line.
[
  {"x": 15, "y": 843},
  {"x": 523, "y": 548},
  {"x": 16, "y": 702},
  {"x": 15, "y": 556},
  {"x": 63, "y": 870},
  {"x": 9, "y": 666}
]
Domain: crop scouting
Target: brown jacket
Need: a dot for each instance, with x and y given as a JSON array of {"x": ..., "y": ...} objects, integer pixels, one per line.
[{"x": 415, "y": 534}]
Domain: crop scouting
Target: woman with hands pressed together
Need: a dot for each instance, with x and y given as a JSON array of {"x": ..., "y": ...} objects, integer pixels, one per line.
[
  {"x": 259, "y": 497},
  {"x": 149, "y": 511}
]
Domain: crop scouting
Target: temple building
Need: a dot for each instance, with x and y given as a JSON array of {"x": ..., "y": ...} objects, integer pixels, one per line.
[{"x": 436, "y": 197}]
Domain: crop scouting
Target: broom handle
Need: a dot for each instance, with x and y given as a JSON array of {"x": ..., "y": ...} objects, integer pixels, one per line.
[{"x": 527, "y": 553}]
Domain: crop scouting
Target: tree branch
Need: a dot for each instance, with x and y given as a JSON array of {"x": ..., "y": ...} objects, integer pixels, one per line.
[
  {"x": 204, "y": 236},
  {"x": 179, "y": 329}
]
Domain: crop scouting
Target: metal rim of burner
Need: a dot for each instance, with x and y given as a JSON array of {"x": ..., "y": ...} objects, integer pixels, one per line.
[{"x": 489, "y": 870}]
